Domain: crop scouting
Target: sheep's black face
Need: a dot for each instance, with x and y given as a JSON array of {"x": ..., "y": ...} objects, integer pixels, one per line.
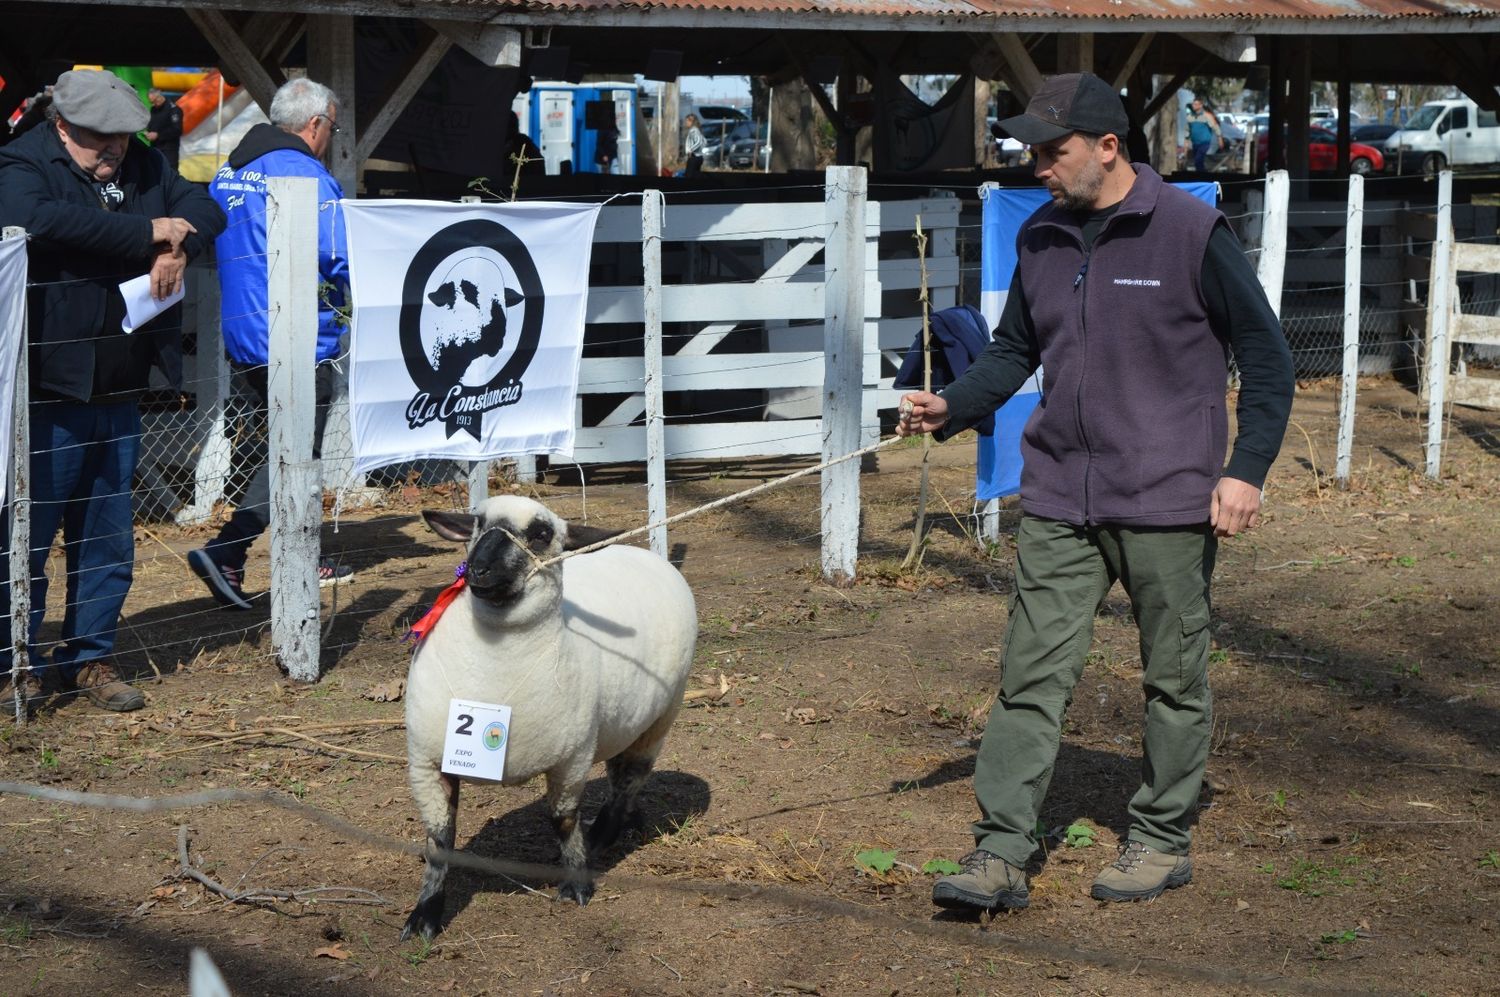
[{"x": 502, "y": 555}]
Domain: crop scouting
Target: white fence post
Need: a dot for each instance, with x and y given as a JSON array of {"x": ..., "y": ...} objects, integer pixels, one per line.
[
  {"x": 296, "y": 479},
  {"x": 1271, "y": 268},
  {"x": 1438, "y": 310},
  {"x": 211, "y": 404},
  {"x": 20, "y": 512},
  {"x": 656, "y": 441},
  {"x": 843, "y": 364},
  {"x": 1354, "y": 243}
]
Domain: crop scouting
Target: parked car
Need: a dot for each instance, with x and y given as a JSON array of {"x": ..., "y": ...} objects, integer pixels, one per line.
[
  {"x": 1322, "y": 153},
  {"x": 717, "y": 137},
  {"x": 750, "y": 148},
  {"x": 1443, "y": 132},
  {"x": 1375, "y": 135},
  {"x": 720, "y": 112}
]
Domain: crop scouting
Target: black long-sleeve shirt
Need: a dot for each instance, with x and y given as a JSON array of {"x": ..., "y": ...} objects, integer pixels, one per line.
[{"x": 1237, "y": 310}]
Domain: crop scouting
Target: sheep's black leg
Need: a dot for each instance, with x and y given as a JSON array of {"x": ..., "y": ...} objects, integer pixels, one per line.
[
  {"x": 438, "y": 797},
  {"x": 627, "y": 774},
  {"x": 563, "y": 796}
]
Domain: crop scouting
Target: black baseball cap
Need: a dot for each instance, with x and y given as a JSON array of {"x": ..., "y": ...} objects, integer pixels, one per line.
[{"x": 1072, "y": 102}]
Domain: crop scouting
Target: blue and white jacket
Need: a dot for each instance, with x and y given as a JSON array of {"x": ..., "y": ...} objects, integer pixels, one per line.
[{"x": 240, "y": 189}]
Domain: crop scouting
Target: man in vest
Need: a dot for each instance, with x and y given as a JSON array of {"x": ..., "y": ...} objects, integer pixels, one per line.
[{"x": 1130, "y": 295}]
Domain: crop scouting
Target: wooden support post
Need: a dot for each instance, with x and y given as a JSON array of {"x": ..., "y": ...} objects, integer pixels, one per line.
[
  {"x": 656, "y": 439},
  {"x": 210, "y": 408},
  {"x": 1075, "y": 52},
  {"x": 330, "y": 61},
  {"x": 843, "y": 365},
  {"x": 1026, "y": 78},
  {"x": 1271, "y": 268},
  {"x": 404, "y": 86},
  {"x": 237, "y": 57},
  {"x": 1298, "y": 107},
  {"x": 1345, "y": 104},
  {"x": 1354, "y": 232},
  {"x": 1440, "y": 288},
  {"x": 296, "y": 479},
  {"x": 20, "y": 509}
]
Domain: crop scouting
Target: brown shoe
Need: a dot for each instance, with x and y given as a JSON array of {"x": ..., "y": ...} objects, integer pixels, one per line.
[
  {"x": 102, "y": 684},
  {"x": 32, "y": 691}
]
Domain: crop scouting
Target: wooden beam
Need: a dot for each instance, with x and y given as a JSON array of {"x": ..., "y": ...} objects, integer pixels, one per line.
[
  {"x": 1169, "y": 92},
  {"x": 1075, "y": 52},
  {"x": 1234, "y": 48},
  {"x": 404, "y": 87},
  {"x": 1028, "y": 79},
  {"x": 270, "y": 35},
  {"x": 1465, "y": 70},
  {"x": 330, "y": 61},
  {"x": 491, "y": 44},
  {"x": 235, "y": 54},
  {"x": 1122, "y": 73}
]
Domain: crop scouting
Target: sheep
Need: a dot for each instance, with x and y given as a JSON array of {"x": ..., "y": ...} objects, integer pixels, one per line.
[{"x": 591, "y": 654}]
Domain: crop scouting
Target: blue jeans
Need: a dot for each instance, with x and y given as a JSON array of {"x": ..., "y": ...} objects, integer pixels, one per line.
[
  {"x": 82, "y": 467},
  {"x": 1200, "y": 153}
]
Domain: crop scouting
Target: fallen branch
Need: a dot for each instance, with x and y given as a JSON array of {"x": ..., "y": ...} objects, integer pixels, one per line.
[
  {"x": 221, "y": 738},
  {"x": 186, "y": 870}
]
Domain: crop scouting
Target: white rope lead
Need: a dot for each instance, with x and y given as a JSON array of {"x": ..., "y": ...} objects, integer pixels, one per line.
[{"x": 719, "y": 503}]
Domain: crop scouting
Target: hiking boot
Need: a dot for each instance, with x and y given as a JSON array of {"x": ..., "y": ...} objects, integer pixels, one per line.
[
  {"x": 987, "y": 882},
  {"x": 225, "y": 584},
  {"x": 331, "y": 572},
  {"x": 1141, "y": 873},
  {"x": 99, "y": 681},
  {"x": 32, "y": 692}
]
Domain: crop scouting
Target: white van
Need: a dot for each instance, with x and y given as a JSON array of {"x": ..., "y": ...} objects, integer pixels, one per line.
[{"x": 1442, "y": 133}]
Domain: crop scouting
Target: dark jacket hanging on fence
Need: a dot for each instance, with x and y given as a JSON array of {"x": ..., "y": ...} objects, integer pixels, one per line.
[
  {"x": 79, "y": 254},
  {"x": 959, "y": 334}
]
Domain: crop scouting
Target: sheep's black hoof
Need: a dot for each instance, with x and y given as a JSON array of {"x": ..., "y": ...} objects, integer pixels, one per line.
[
  {"x": 425, "y": 921},
  {"x": 579, "y": 893},
  {"x": 608, "y": 827}
]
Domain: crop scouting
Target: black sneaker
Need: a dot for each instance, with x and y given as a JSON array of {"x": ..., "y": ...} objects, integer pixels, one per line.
[
  {"x": 986, "y": 882},
  {"x": 331, "y": 572},
  {"x": 225, "y": 584}
]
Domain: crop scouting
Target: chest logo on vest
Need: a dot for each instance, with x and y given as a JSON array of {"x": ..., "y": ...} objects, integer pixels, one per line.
[
  {"x": 1137, "y": 282},
  {"x": 471, "y": 318}
]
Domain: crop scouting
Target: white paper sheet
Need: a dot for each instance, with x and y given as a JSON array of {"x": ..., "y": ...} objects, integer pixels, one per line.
[{"x": 140, "y": 307}]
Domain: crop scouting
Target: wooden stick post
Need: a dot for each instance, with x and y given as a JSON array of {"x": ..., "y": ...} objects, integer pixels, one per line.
[
  {"x": 843, "y": 365},
  {"x": 914, "y": 552},
  {"x": 1440, "y": 288}
]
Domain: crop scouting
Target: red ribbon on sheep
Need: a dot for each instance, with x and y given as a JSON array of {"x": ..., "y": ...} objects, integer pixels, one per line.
[{"x": 439, "y": 606}]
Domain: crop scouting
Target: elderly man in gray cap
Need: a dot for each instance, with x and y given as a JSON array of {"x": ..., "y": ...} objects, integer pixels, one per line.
[{"x": 100, "y": 208}]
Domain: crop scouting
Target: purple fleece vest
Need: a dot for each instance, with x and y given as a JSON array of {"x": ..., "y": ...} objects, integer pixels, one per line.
[{"x": 1131, "y": 428}]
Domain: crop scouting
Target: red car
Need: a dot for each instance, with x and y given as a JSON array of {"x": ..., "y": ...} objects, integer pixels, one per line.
[{"x": 1322, "y": 153}]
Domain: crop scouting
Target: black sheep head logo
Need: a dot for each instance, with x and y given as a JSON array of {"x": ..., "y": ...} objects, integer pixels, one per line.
[{"x": 466, "y": 320}]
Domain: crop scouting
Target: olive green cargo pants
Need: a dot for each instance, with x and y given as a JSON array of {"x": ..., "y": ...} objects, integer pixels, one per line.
[{"x": 1063, "y": 573}]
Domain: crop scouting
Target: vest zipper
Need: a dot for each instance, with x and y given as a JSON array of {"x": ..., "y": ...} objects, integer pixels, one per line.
[{"x": 1083, "y": 343}]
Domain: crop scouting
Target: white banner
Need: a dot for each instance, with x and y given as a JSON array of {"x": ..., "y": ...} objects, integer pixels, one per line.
[
  {"x": 12, "y": 326},
  {"x": 468, "y": 328}
]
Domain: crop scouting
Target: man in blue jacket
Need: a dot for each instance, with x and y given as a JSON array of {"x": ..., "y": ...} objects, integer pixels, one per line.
[
  {"x": 1130, "y": 295},
  {"x": 99, "y": 208},
  {"x": 304, "y": 119}
]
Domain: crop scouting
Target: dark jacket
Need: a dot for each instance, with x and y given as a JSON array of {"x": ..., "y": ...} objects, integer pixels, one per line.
[
  {"x": 80, "y": 252},
  {"x": 961, "y": 334},
  {"x": 166, "y": 122}
]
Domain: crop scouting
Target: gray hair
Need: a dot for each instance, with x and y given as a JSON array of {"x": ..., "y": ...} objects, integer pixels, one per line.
[{"x": 299, "y": 101}]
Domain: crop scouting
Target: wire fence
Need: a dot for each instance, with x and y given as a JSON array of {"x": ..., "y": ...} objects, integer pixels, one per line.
[{"x": 202, "y": 443}]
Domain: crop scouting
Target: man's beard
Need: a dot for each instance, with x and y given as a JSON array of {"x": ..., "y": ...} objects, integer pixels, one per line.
[{"x": 1085, "y": 190}]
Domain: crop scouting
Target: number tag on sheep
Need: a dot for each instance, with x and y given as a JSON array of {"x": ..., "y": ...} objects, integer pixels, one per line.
[{"x": 478, "y": 734}]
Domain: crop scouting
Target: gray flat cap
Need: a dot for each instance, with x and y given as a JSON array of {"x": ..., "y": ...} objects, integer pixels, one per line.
[{"x": 100, "y": 101}]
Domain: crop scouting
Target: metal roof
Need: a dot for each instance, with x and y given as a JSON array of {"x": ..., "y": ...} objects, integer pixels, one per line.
[{"x": 1124, "y": 10}]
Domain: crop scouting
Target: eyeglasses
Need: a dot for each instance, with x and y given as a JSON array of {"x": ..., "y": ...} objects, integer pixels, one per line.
[{"x": 333, "y": 126}]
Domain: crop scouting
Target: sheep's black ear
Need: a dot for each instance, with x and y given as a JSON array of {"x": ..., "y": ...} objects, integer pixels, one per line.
[
  {"x": 456, "y": 526},
  {"x": 583, "y": 536}
]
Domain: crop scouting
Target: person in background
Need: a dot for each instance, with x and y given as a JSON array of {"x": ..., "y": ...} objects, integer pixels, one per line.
[
  {"x": 521, "y": 154},
  {"x": 99, "y": 208},
  {"x": 1203, "y": 133},
  {"x": 164, "y": 129},
  {"x": 1130, "y": 295},
  {"x": 607, "y": 152},
  {"x": 693, "y": 144},
  {"x": 304, "y": 119}
]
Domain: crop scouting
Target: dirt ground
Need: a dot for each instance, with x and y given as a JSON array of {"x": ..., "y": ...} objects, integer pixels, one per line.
[{"x": 1349, "y": 840}]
